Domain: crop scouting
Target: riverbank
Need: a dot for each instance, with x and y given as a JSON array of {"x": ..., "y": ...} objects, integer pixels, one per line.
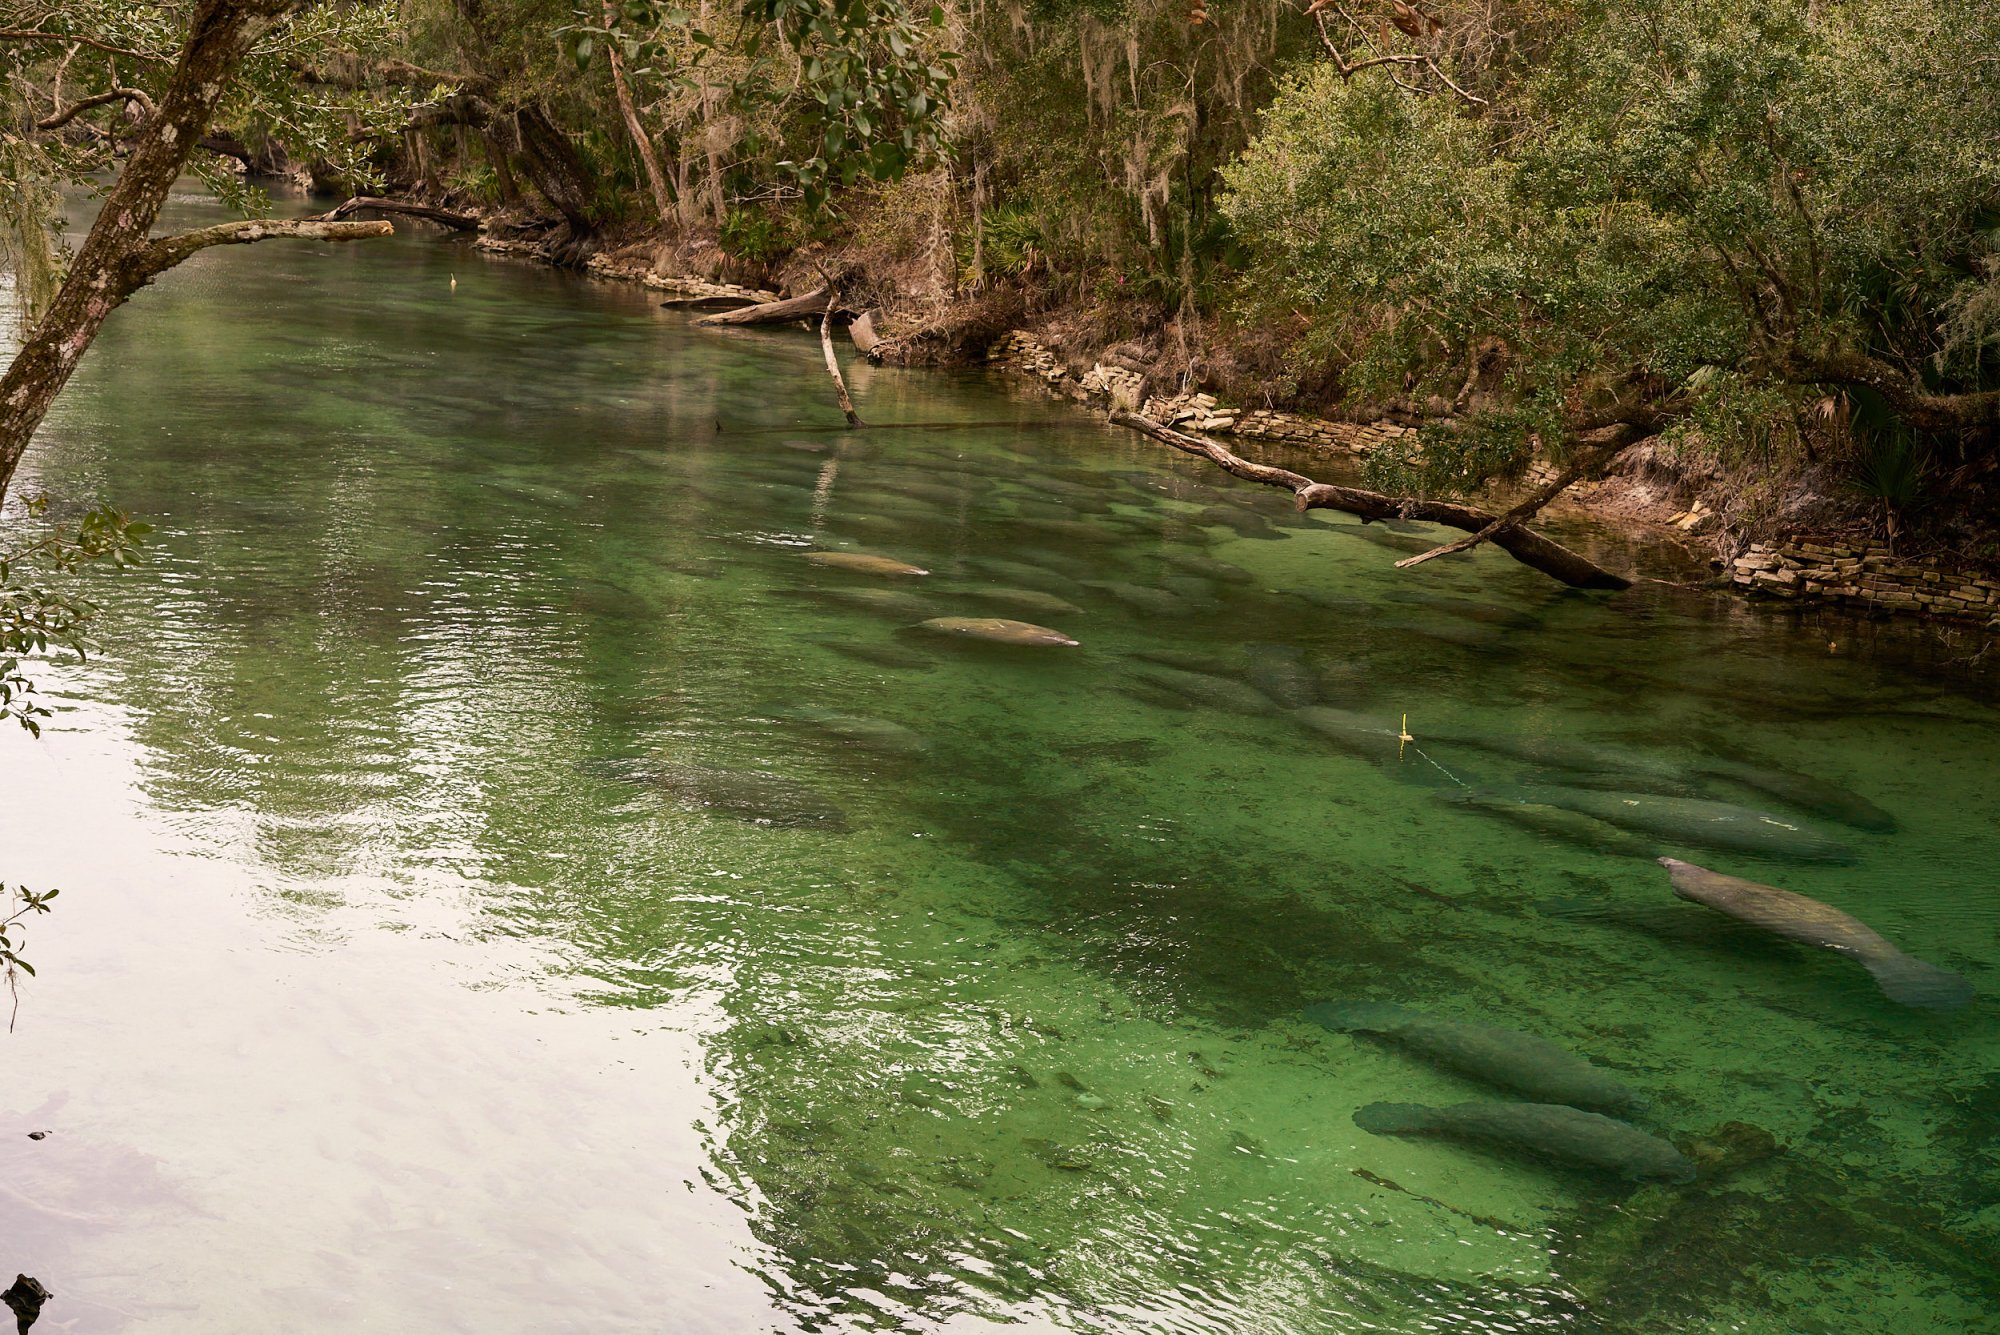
[{"x": 1826, "y": 556}]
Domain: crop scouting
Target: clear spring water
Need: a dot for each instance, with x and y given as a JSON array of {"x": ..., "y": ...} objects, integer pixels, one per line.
[{"x": 402, "y": 980}]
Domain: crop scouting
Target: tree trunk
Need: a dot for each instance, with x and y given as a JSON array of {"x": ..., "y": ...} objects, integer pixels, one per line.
[
  {"x": 1524, "y": 545},
  {"x": 776, "y": 312},
  {"x": 103, "y": 275},
  {"x": 663, "y": 201}
]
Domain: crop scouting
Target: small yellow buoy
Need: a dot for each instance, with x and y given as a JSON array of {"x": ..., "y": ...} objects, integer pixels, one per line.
[{"x": 1403, "y": 738}]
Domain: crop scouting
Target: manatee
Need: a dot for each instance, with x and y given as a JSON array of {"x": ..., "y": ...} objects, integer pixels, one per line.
[
  {"x": 1027, "y": 600},
  {"x": 1902, "y": 978},
  {"x": 749, "y": 795},
  {"x": 879, "y": 655},
  {"x": 1245, "y": 523},
  {"x": 1215, "y": 665},
  {"x": 1563, "y": 753},
  {"x": 886, "y": 602},
  {"x": 916, "y": 489},
  {"x": 870, "y": 527},
  {"x": 1153, "y": 602},
  {"x": 1690, "y": 820},
  {"x": 1194, "y": 563},
  {"x": 1062, "y": 563},
  {"x": 1000, "y": 630},
  {"x": 1361, "y": 734},
  {"x": 1551, "y": 1131},
  {"x": 1023, "y": 573},
  {"x": 1507, "y": 1058},
  {"x": 1813, "y": 795},
  {"x": 1177, "y": 488},
  {"x": 1068, "y": 530},
  {"x": 1280, "y": 671},
  {"x": 875, "y": 734},
  {"x": 1572, "y": 827},
  {"x": 1200, "y": 687},
  {"x": 863, "y": 563}
]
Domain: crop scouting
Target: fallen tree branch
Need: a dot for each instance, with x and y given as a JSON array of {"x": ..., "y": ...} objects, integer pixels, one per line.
[
  {"x": 1582, "y": 465},
  {"x": 776, "y": 312},
  {"x": 462, "y": 222},
  {"x": 69, "y": 113},
  {"x": 159, "y": 256},
  {"x": 1524, "y": 545}
]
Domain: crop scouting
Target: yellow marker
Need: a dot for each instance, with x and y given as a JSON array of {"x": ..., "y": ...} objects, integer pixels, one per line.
[{"x": 1403, "y": 738}]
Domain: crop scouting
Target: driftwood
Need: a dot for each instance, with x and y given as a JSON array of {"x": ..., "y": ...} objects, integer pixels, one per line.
[
  {"x": 459, "y": 222},
  {"x": 776, "y": 312},
  {"x": 716, "y": 301},
  {"x": 1524, "y": 545}
]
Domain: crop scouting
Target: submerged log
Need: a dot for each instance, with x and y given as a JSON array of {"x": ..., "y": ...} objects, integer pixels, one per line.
[
  {"x": 458, "y": 222},
  {"x": 776, "y": 312},
  {"x": 1524, "y": 545}
]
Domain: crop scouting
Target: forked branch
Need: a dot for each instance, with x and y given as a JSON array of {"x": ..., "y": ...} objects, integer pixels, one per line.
[
  {"x": 1524, "y": 545},
  {"x": 65, "y": 115}
]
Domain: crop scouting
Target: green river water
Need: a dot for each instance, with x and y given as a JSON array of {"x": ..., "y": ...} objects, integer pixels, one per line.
[{"x": 507, "y": 887}]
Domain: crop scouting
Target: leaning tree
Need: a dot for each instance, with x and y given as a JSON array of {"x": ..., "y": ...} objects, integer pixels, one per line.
[{"x": 144, "y": 88}]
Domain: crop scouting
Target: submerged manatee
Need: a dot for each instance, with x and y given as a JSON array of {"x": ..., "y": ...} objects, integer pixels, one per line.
[
  {"x": 1280, "y": 671},
  {"x": 900, "y": 603},
  {"x": 1901, "y": 977},
  {"x": 748, "y": 795},
  {"x": 1204, "y": 689},
  {"x": 1359, "y": 734},
  {"x": 1027, "y": 600},
  {"x": 1546, "y": 1130},
  {"x": 879, "y": 655},
  {"x": 1245, "y": 523},
  {"x": 1039, "y": 578},
  {"x": 1512, "y": 1060},
  {"x": 1195, "y": 563},
  {"x": 864, "y": 563},
  {"x": 862, "y": 730},
  {"x": 1809, "y": 794},
  {"x": 1690, "y": 820},
  {"x": 1000, "y": 630},
  {"x": 1572, "y": 827},
  {"x": 1154, "y": 602},
  {"x": 1595, "y": 758}
]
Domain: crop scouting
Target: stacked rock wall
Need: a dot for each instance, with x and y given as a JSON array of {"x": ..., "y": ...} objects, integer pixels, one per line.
[
  {"x": 1867, "y": 575},
  {"x": 1020, "y": 351}
]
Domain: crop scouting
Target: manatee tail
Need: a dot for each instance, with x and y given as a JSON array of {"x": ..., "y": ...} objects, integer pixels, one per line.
[
  {"x": 1345, "y": 1017},
  {"x": 1914, "y": 983},
  {"x": 1394, "y": 1119}
]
